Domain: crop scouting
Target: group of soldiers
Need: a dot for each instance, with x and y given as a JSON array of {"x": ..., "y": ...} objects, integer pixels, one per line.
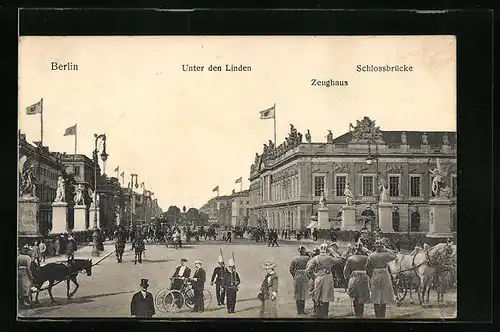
[{"x": 313, "y": 276}]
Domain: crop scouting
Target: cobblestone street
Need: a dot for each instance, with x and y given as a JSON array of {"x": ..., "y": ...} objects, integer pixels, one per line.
[{"x": 107, "y": 293}]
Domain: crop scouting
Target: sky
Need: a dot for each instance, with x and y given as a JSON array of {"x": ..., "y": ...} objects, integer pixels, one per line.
[{"x": 184, "y": 133}]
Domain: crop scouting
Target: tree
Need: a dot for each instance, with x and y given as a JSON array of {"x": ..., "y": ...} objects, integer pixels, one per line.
[
  {"x": 173, "y": 214},
  {"x": 192, "y": 216},
  {"x": 203, "y": 218}
]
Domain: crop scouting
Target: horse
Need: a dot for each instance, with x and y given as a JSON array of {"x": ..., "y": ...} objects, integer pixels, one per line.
[
  {"x": 119, "y": 250},
  {"x": 403, "y": 274},
  {"x": 445, "y": 275},
  {"x": 58, "y": 272},
  {"x": 139, "y": 248},
  {"x": 427, "y": 262}
]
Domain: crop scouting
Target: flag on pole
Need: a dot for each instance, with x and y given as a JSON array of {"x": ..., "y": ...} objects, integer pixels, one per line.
[
  {"x": 268, "y": 113},
  {"x": 36, "y": 108},
  {"x": 216, "y": 189},
  {"x": 70, "y": 131},
  {"x": 117, "y": 169},
  {"x": 238, "y": 180},
  {"x": 123, "y": 176}
]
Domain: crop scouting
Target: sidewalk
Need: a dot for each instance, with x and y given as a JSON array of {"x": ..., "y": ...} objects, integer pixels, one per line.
[{"x": 83, "y": 252}]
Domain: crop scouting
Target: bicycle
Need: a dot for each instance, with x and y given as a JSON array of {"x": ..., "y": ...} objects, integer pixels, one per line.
[{"x": 172, "y": 300}]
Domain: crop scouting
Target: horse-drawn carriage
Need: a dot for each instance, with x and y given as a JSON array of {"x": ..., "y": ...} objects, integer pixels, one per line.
[{"x": 172, "y": 300}]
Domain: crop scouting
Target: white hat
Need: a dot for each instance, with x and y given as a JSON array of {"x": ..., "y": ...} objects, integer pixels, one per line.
[
  {"x": 323, "y": 247},
  {"x": 230, "y": 262},
  {"x": 221, "y": 260}
]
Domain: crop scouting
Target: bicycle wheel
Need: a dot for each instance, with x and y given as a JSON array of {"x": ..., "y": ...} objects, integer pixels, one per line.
[
  {"x": 173, "y": 301},
  {"x": 207, "y": 298},
  {"x": 159, "y": 300},
  {"x": 189, "y": 296}
]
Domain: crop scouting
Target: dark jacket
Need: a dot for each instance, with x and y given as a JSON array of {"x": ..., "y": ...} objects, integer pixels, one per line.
[
  {"x": 186, "y": 274},
  {"x": 218, "y": 275},
  {"x": 232, "y": 280},
  {"x": 200, "y": 276},
  {"x": 142, "y": 307}
]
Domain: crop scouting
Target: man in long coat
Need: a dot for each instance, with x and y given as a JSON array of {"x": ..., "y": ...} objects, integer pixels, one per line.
[
  {"x": 24, "y": 277},
  {"x": 376, "y": 268},
  {"x": 231, "y": 282},
  {"x": 218, "y": 278},
  {"x": 320, "y": 268},
  {"x": 300, "y": 279},
  {"x": 142, "y": 304},
  {"x": 199, "y": 277},
  {"x": 358, "y": 286}
]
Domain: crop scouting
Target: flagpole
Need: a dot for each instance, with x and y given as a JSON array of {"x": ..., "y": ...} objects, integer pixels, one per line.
[
  {"x": 274, "y": 118},
  {"x": 241, "y": 185},
  {"x": 41, "y": 122},
  {"x": 76, "y": 135}
]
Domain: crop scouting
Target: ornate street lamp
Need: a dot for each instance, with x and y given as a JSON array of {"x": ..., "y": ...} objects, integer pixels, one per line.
[
  {"x": 369, "y": 161},
  {"x": 104, "y": 157}
]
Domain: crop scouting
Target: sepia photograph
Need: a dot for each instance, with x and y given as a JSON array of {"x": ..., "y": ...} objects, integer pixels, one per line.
[{"x": 265, "y": 177}]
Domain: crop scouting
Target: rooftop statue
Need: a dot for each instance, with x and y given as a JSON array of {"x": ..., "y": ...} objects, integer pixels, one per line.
[
  {"x": 365, "y": 130},
  {"x": 403, "y": 138},
  {"x": 308, "y": 136},
  {"x": 424, "y": 139},
  {"x": 329, "y": 137}
]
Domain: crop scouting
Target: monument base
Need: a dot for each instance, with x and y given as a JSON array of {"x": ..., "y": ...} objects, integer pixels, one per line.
[
  {"x": 440, "y": 219},
  {"x": 59, "y": 218},
  {"x": 348, "y": 218},
  {"x": 80, "y": 218},
  {"x": 27, "y": 218},
  {"x": 323, "y": 219},
  {"x": 385, "y": 217}
]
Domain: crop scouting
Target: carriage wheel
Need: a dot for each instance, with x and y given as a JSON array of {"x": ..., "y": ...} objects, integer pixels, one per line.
[
  {"x": 173, "y": 301},
  {"x": 207, "y": 298},
  {"x": 159, "y": 300},
  {"x": 400, "y": 289}
]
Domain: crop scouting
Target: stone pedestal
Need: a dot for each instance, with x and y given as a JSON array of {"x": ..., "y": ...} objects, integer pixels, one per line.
[
  {"x": 59, "y": 217},
  {"x": 385, "y": 217},
  {"x": 80, "y": 218},
  {"x": 348, "y": 218},
  {"x": 27, "y": 217},
  {"x": 323, "y": 219},
  {"x": 440, "y": 219},
  {"x": 91, "y": 217}
]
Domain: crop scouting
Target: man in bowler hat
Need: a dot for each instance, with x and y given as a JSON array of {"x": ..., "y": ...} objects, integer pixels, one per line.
[{"x": 142, "y": 304}]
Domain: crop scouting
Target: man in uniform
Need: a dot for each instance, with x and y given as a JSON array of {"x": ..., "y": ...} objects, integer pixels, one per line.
[
  {"x": 231, "y": 283},
  {"x": 181, "y": 271},
  {"x": 358, "y": 286},
  {"x": 218, "y": 277},
  {"x": 198, "y": 284},
  {"x": 300, "y": 280},
  {"x": 381, "y": 283},
  {"x": 320, "y": 268},
  {"x": 24, "y": 277}
]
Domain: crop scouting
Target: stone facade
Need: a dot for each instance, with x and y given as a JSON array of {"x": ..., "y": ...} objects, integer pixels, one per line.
[{"x": 285, "y": 186}]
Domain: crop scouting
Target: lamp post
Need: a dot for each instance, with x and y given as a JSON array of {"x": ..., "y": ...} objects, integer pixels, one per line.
[
  {"x": 132, "y": 176},
  {"x": 369, "y": 160},
  {"x": 104, "y": 157}
]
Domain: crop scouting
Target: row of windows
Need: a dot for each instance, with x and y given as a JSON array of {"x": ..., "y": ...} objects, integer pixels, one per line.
[
  {"x": 48, "y": 173},
  {"x": 281, "y": 190},
  {"x": 46, "y": 194},
  {"x": 368, "y": 185},
  {"x": 75, "y": 170}
]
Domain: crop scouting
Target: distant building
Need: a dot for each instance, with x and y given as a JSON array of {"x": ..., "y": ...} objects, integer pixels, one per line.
[
  {"x": 287, "y": 181},
  {"x": 239, "y": 208}
]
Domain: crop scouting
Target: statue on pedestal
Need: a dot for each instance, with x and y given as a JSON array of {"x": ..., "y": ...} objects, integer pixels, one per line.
[
  {"x": 308, "y": 136},
  {"x": 28, "y": 187},
  {"x": 446, "y": 140},
  {"x": 439, "y": 186},
  {"x": 79, "y": 195},
  {"x": 61, "y": 190},
  {"x": 348, "y": 195},
  {"x": 424, "y": 139},
  {"x": 322, "y": 201},
  {"x": 403, "y": 138},
  {"x": 384, "y": 194},
  {"x": 329, "y": 137}
]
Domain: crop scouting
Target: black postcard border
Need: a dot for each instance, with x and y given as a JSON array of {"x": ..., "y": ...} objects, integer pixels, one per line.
[{"x": 473, "y": 29}]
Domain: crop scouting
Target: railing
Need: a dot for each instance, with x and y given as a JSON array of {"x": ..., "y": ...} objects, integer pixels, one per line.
[
  {"x": 415, "y": 146},
  {"x": 393, "y": 146},
  {"x": 341, "y": 145}
]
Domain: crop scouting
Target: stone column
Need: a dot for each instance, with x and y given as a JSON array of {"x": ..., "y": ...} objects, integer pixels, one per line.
[
  {"x": 385, "y": 217},
  {"x": 59, "y": 217},
  {"x": 348, "y": 218},
  {"x": 323, "y": 218},
  {"x": 91, "y": 216},
  {"x": 27, "y": 216},
  {"x": 80, "y": 217},
  {"x": 439, "y": 220}
]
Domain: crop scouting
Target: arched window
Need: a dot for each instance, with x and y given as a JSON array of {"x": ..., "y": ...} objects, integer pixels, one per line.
[
  {"x": 395, "y": 221},
  {"x": 454, "y": 221},
  {"x": 415, "y": 222}
]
